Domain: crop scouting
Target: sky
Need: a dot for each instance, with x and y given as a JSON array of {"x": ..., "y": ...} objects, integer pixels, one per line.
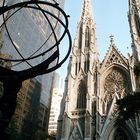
[{"x": 110, "y": 16}]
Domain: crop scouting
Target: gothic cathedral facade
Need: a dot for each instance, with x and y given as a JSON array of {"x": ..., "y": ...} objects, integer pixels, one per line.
[{"x": 88, "y": 109}]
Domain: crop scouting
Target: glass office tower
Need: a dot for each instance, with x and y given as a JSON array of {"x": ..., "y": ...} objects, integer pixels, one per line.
[{"x": 29, "y": 30}]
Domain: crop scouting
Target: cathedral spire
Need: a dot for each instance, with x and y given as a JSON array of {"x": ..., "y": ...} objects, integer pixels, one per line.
[
  {"x": 86, "y": 10},
  {"x": 85, "y": 44},
  {"x": 134, "y": 22}
]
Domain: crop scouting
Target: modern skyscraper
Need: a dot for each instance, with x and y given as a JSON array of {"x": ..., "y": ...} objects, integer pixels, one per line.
[
  {"x": 89, "y": 110},
  {"x": 28, "y": 37},
  {"x": 29, "y": 30},
  {"x": 57, "y": 94}
]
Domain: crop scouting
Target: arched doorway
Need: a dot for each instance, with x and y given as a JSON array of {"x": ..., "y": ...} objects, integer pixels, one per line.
[{"x": 119, "y": 131}]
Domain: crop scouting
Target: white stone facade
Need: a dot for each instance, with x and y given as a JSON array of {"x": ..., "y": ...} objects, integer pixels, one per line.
[{"x": 89, "y": 109}]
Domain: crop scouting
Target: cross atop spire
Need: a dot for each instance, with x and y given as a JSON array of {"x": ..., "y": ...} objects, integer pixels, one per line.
[{"x": 111, "y": 40}]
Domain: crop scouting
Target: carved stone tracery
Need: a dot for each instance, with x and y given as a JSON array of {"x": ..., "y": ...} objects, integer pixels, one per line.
[
  {"x": 116, "y": 86},
  {"x": 114, "y": 82},
  {"x": 114, "y": 58}
]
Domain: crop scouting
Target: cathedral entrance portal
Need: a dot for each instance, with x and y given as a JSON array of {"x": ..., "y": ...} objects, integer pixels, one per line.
[{"x": 119, "y": 131}]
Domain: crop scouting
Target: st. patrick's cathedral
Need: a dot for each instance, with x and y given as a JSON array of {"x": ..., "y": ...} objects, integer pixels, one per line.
[{"x": 92, "y": 88}]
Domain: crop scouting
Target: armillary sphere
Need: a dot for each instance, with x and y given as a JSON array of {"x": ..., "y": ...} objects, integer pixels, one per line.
[{"x": 27, "y": 49}]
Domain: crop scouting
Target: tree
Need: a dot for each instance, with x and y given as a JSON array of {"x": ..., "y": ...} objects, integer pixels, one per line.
[{"x": 128, "y": 106}]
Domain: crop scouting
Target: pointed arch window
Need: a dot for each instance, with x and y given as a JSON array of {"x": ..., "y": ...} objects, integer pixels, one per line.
[
  {"x": 76, "y": 68},
  {"x": 93, "y": 33},
  {"x": 79, "y": 66},
  {"x": 85, "y": 69},
  {"x": 86, "y": 64},
  {"x": 87, "y": 37},
  {"x": 137, "y": 21},
  {"x": 93, "y": 108},
  {"x": 80, "y": 36},
  {"x": 81, "y": 97}
]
